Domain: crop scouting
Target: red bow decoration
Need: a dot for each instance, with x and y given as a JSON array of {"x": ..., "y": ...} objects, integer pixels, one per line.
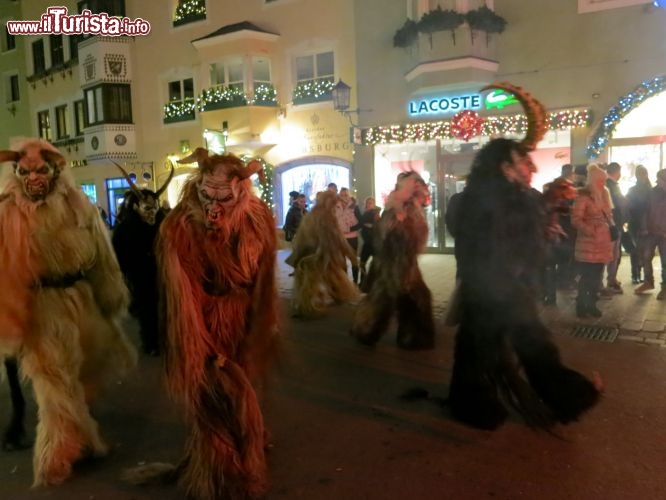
[{"x": 466, "y": 124}]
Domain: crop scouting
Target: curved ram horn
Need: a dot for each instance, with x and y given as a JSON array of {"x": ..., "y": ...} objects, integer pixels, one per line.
[
  {"x": 166, "y": 183},
  {"x": 253, "y": 167},
  {"x": 133, "y": 187},
  {"x": 9, "y": 156},
  {"x": 536, "y": 113},
  {"x": 198, "y": 155}
]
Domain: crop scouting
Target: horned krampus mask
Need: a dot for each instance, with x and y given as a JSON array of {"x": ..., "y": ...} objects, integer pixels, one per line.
[
  {"x": 37, "y": 165},
  {"x": 144, "y": 202},
  {"x": 223, "y": 180}
]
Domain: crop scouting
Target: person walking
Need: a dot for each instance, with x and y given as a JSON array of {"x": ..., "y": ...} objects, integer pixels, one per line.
[
  {"x": 369, "y": 219},
  {"x": 637, "y": 207},
  {"x": 655, "y": 237},
  {"x": 614, "y": 172},
  {"x": 591, "y": 215}
]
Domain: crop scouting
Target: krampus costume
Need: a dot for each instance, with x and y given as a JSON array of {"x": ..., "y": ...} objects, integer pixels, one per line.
[
  {"x": 501, "y": 242},
  {"x": 216, "y": 257},
  {"x": 134, "y": 237},
  {"x": 319, "y": 258},
  {"x": 61, "y": 297},
  {"x": 394, "y": 283}
]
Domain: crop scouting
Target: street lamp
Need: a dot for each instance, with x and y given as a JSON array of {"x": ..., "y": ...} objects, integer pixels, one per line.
[{"x": 341, "y": 93}]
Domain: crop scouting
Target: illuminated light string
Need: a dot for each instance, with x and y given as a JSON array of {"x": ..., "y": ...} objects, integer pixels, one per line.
[
  {"x": 627, "y": 103},
  {"x": 190, "y": 8},
  {"x": 492, "y": 126},
  {"x": 265, "y": 186}
]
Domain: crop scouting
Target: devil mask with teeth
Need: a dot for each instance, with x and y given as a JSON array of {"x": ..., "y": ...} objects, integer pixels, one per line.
[
  {"x": 222, "y": 184},
  {"x": 144, "y": 202}
]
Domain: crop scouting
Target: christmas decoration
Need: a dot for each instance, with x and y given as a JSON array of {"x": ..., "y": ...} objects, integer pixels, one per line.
[
  {"x": 190, "y": 10},
  {"x": 466, "y": 124},
  {"x": 492, "y": 126},
  {"x": 627, "y": 103}
]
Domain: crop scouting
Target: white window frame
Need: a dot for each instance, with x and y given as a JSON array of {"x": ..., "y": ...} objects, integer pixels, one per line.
[
  {"x": 227, "y": 80},
  {"x": 316, "y": 75},
  {"x": 585, "y": 6}
]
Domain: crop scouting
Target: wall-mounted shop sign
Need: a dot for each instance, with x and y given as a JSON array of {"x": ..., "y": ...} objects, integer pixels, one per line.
[
  {"x": 441, "y": 105},
  {"x": 451, "y": 104},
  {"x": 499, "y": 99}
]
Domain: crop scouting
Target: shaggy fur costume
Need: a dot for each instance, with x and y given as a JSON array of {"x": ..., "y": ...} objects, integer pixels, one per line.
[
  {"x": 134, "y": 243},
  {"x": 394, "y": 283},
  {"x": 61, "y": 298},
  {"x": 218, "y": 270},
  {"x": 319, "y": 260},
  {"x": 501, "y": 242}
]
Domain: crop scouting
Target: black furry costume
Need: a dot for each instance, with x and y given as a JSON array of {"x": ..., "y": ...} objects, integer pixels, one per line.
[
  {"x": 134, "y": 243},
  {"x": 500, "y": 246},
  {"x": 395, "y": 284}
]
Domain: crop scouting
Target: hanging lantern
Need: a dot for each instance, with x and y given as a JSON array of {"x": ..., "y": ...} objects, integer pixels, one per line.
[{"x": 466, "y": 124}]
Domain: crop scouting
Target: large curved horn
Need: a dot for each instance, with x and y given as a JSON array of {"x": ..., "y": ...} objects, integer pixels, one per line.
[
  {"x": 133, "y": 187},
  {"x": 536, "y": 113},
  {"x": 198, "y": 155},
  {"x": 253, "y": 167},
  {"x": 9, "y": 156},
  {"x": 166, "y": 183}
]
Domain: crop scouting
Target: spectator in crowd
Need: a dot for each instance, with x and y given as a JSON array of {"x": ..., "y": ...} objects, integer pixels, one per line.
[
  {"x": 655, "y": 237},
  {"x": 580, "y": 176},
  {"x": 368, "y": 220},
  {"x": 592, "y": 216},
  {"x": 614, "y": 172},
  {"x": 348, "y": 215},
  {"x": 637, "y": 207},
  {"x": 294, "y": 217},
  {"x": 332, "y": 186},
  {"x": 557, "y": 199}
]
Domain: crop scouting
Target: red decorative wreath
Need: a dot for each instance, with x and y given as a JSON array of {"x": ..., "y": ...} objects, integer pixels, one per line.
[{"x": 466, "y": 124}]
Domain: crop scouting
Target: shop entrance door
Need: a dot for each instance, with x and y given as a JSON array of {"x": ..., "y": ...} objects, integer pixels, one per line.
[{"x": 453, "y": 169}]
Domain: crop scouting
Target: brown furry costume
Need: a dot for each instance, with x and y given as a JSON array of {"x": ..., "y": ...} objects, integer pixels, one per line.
[
  {"x": 216, "y": 256},
  {"x": 61, "y": 298},
  {"x": 319, "y": 258},
  {"x": 394, "y": 282}
]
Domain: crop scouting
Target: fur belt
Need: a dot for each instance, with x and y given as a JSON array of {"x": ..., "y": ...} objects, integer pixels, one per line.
[{"x": 62, "y": 281}]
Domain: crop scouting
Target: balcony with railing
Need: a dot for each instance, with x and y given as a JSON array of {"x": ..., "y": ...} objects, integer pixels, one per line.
[
  {"x": 315, "y": 90},
  {"x": 179, "y": 111}
]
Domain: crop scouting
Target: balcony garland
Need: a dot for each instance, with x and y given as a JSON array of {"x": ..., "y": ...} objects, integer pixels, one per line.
[
  {"x": 492, "y": 126},
  {"x": 313, "y": 90},
  {"x": 179, "y": 111},
  {"x": 189, "y": 11},
  {"x": 221, "y": 97},
  {"x": 481, "y": 19},
  {"x": 264, "y": 94}
]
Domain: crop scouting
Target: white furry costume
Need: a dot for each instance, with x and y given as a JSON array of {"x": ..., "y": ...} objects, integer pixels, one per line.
[{"x": 61, "y": 296}]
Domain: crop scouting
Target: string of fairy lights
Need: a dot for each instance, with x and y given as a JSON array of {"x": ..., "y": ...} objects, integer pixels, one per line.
[
  {"x": 189, "y": 8},
  {"x": 491, "y": 127},
  {"x": 628, "y": 102}
]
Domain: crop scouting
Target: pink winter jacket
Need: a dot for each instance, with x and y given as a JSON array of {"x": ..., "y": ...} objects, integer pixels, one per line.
[{"x": 593, "y": 243}]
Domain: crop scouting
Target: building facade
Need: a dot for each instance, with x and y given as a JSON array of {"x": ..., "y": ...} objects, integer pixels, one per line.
[
  {"x": 15, "y": 113},
  {"x": 596, "y": 65},
  {"x": 255, "y": 77}
]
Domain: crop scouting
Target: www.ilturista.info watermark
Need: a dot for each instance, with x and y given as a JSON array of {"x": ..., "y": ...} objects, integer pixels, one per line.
[{"x": 56, "y": 22}]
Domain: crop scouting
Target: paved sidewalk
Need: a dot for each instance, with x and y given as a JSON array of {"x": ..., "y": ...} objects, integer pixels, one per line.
[{"x": 639, "y": 318}]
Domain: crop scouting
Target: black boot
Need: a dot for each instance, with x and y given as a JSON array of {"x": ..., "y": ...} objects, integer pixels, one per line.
[
  {"x": 592, "y": 309},
  {"x": 581, "y": 307}
]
